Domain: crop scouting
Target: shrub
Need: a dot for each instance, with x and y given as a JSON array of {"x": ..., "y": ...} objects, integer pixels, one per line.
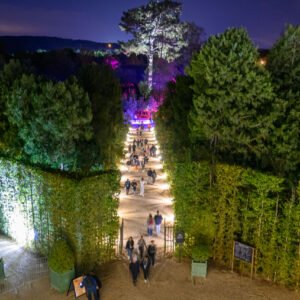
[
  {"x": 61, "y": 258},
  {"x": 200, "y": 253}
]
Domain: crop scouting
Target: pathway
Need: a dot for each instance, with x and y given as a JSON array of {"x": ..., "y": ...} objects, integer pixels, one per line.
[{"x": 135, "y": 209}]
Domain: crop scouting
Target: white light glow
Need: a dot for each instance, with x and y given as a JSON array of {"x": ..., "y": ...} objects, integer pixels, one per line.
[
  {"x": 164, "y": 186},
  {"x": 20, "y": 229},
  {"x": 163, "y": 176},
  {"x": 168, "y": 201},
  {"x": 170, "y": 218},
  {"x": 123, "y": 168}
]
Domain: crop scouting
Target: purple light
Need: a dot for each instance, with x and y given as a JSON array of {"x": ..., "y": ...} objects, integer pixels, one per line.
[{"x": 113, "y": 62}]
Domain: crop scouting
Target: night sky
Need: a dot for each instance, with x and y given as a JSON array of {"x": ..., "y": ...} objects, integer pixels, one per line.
[{"x": 98, "y": 20}]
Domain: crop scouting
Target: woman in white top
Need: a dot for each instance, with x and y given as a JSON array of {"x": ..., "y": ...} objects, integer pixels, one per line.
[{"x": 142, "y": 183}]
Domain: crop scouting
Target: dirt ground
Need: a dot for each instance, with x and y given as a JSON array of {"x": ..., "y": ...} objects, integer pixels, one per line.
[{"x": 169, "y": 280}]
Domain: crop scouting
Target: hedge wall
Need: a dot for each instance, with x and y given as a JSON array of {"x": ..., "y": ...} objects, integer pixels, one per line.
[
  {"x": 36, "y": 207},
  {"x": 226, "y": 203}
]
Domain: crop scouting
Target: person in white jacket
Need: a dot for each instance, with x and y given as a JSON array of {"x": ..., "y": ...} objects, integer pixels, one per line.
[{"x": 142, "y": 186}]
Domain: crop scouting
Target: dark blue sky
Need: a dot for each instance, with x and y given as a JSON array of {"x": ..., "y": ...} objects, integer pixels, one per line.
[{"x": 98, "y": 20}]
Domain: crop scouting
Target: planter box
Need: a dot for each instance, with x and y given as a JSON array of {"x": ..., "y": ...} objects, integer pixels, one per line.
[
  {"x": 61, "y": 281},
  {"x": 199, "y": 269}
]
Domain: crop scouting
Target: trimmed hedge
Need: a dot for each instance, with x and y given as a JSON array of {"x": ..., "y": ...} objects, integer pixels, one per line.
[
  {"x": 37, "y": 207},
  {"x": 225, "y": 203}
]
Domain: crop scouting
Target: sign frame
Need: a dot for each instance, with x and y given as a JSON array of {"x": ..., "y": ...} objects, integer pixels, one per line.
[
  {"x": 233, "y": 257},
  {"x": 180, "y": 237},
  {"x": 74, "y": 287}
]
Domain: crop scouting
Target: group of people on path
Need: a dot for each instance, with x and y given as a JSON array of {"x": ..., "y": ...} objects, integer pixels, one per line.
[
  {"x": 133, "y": 184},
  {"x": 157, "y": 220},
  {"x": 143, "y": 258}
]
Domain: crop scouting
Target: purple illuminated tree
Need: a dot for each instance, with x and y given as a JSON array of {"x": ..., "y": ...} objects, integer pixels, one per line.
[{"x": 157, "y": 31}]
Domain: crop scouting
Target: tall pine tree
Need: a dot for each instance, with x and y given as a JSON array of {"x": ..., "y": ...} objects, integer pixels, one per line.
[
  {"x": 284, "y": 65},
  {"x": 232, "y": 97},
  {"x": 157, "y": 31}
]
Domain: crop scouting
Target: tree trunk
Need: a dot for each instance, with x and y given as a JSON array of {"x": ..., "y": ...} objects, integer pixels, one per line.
[{"x": 150, "y": 67}]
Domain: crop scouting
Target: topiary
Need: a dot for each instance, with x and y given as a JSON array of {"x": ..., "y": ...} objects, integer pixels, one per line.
[
  {"x": 61, "y": 258},
  {"x": 200, "y": 253}
]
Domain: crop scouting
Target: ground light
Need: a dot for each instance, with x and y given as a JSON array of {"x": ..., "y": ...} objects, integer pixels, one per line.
[
  {"x": 164, "y": 186},
  {"x": 170, "y": 218}
]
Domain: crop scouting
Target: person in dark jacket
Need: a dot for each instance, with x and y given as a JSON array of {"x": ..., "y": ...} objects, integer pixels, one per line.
[
  {"x": 152, "y": 252},
  {"x": 158, "y": 220},
  {"x": 145, "y": 265},
  {"x": 129, "y": 247},
  {"x": 92, "y": 286},
  {"x": 149, "y": 173},
  {"x": 127, "y": 186},
  {"x": 134, "y": 267},
  {"x": 133, "y": 148},
  {"x": 153, "y": 176},
  {"x": 134, "y": 185},
  {"x": 129, "y": 148},
  {"x": 142, "y": 247}
]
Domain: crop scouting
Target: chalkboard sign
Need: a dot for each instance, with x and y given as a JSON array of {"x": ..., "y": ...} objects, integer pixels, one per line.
[
  {"x": 180, "y": 237},
  {"x": 243, "y": 252}
]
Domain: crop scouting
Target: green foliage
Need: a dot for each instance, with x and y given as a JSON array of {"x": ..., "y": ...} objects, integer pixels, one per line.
[
  {"x": 200, "y": 253},
  {"x": 144, "y": 89},
  {"x": 284, "y": 66},
  {"x": 38, "y": 207},
  {"x": 104, "y": 92},
  {"x": 215, "y": 205},
  {"x": 173, "y": 137},
  {"x": 156, "y": 30},
  {"x": 51, "y": 118},
  {"x": 61, "y": 258},
  {"x": 232, "y": 97}
]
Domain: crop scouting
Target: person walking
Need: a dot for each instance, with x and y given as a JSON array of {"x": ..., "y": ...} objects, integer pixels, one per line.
[
  {"x": 134, "y": 267},
  {"x": 149, "y": 127},
  {"x": 146, "y": 141},
  {"x": 153, "y": 175},
  {"x": 134, "y": 185},
  {"x": 149, "y": 173},
  {"x": 152, "y": 252},
  {"x": 157, "y": 220},
  {"x": 150, "y": 225},
  {"x": 138, "y": 143},
  {"x": 142, "y": 247},
  {"x": 92, "y": 286},
  {"x": 137, "y": 131},
  {"x": 134, "y": 148},
  {"x": 142, "y": 186},
  {"x": 137, "y": 162},
  {"x": 129, "y": 148},
  {"x": 127, "y": 186},
  {"x": 145, "y": 264},
  {"x": 129, "y": 247}
]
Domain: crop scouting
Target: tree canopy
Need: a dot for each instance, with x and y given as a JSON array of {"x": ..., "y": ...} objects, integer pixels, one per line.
[
  {"x": 284, "y": 65},
  {"x": 233, "y": 97},
  {"x": 156, "y": 30}
]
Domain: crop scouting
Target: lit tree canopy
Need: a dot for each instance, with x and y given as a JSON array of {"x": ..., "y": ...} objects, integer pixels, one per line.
[
  {"x": 233, "y": 96},
  {"x": 284, "y": 65},
  {"x": 156, "y": 29}
]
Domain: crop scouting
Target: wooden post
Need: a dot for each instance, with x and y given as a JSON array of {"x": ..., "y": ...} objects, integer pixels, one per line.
[
  {"x": 165, "y": 236},
  {"x": 121, "y": 237},
  {"x": 252, "y": 262},
  {"x": 232, "y": 256}
]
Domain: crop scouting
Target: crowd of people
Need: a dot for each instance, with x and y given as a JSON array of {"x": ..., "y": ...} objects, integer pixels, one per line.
[{"x": 141, "y": 258}]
